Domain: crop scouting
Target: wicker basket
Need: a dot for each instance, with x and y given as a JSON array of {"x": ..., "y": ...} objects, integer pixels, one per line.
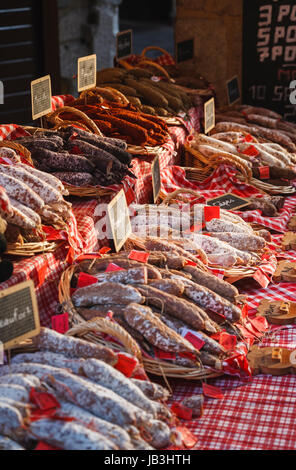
[
  {"x": 56, "y": 121},
  {"x": 91, "y": 331}
]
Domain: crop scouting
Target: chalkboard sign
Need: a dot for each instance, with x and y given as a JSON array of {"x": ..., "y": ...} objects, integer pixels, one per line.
[
  {"x": 233, "y": 92},
  {"x": 156, "y": 178},
  {"x": 87, "y": 72},
  {"x": 124, "y": 44},
  {"x": 209, "y": 115},
  {"x": 269, "y": 55},
  {"x": 228, "y": 202},
  {"x": 119, "y": 220},
  {"x": 19, "y": 317},
  {"x": 185, "y": 50},
  {"x": 41, "y": 97}
]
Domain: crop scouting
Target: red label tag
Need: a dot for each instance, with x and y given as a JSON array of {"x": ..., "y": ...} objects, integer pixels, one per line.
[
  {"x": 43, "y": 446},
  {"x": 126, "y": 364},
  {"x": 264, "y": 172},
  {"x": 44, "y": 401},
  {"x": 159, "y": 354},
  {"x": 227, "y": 341},
  {"x": 211, "y": 391},
  {"x": 85, "y": 280},
  {"x": 104, "y": 250},
  {"x": 260, "y": 323},
  {"x": 211, "y": 212},
  {"x": 60, "y": 323},
  {"x": 245, "y": 310},
  {"x": 248, "y": 138},
  {"x": 251, "y": 151},
  {"x": 188, "y": 262},
  {"x": 181, "y": 411},
  {"x": 197, "y": 227},
  {"x": 113, "y": 267},
  {"x": 188, "y": 439},
  {"x": 141, "y": 256},
  {"x": 41, "y": 272},
  {"x": 70, "y": 255},
  {"x": 194, "y": 340}
]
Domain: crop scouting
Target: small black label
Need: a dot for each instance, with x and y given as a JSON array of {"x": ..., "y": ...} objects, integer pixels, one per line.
[
  {"x": 124, "y": 42},
  {"x": 228, "y": 202},
  {"x": 185, "y": 50},
  {"x": 233, "y": 90}
]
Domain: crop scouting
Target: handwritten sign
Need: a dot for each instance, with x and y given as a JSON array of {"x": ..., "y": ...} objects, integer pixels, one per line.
[
  {"x": 124, "y": 44},
  {"x": 19, "y": 318},
  {"x": 119, "y": 220},
  {"x": 87, "y": 72},
  {"x": 233, "y": 91},
  {"x": 156, "y": 178},
  {"x": 185, "y": 50},
  {"x": 269, "y": 55},
  {"x": 228, "y": 202},
  {"x": 209, "y": 114},
  {"x": 41, "y": 97}
]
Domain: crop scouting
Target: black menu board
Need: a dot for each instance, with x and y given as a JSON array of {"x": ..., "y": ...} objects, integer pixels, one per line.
[{"x": 269, "y": 55}]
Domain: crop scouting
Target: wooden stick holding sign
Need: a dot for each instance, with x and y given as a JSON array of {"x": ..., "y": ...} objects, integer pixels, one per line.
[
  {"x": 209, "y": 115},
  {"x": 41, "y": 97},
  {"x": 156, "y": 178},
  {"x": 233, "y": 91},
  {"x": 19, "y": 318},
  {"x": 119, "y": 220},
  {"x": 87, "y": 72}
]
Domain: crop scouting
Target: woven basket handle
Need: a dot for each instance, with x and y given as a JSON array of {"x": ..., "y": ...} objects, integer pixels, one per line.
[
  {"x": 173, "y": 195},
  {"x": 153, "y": 48},
  {"x": 101, "y": 325},
  {"x": 18, "y": 147},
  {"x": 156, "y": 66},
  {"x": 55, "y": 119}
]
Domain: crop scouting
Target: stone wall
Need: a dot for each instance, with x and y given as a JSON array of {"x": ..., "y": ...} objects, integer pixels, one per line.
[
  {"x": 217, "y": 29},
  {"x": 86, "y": 27}
]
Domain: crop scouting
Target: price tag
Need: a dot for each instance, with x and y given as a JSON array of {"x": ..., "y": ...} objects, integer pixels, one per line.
[
  {"x": 264, "y": 172},
  {"x": 156, "y": 178},
  {"x": 87, "y": 72},
  {"x": 185, "y": 50},
  {"x": 211, "y": 212},
  {"x": 41, "y": 97},
  {"x": 124, "y": 44},
  {"x": 60, "y": 323},
  {"x": 19, "y": 317},
  {"x": 228, "y": 201},
  {"x": 209, "y": 115},
  {"x": 119, "y": 220},
  {"x": 233, "y": 92}
]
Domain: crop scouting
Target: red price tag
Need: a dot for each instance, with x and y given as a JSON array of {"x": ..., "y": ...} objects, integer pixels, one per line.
[
  {"x": 194, "y": 340},
  {"x": 41, "y": 272},
  {"x": 260, "y": 277},
  {"x": 60, "y": 323},
  {"x": 104, "y": 250},
  {"x": 245, "y": 311},
  {"x": 181, "y": 411},
  {"x": 44, "y": 401},
  {"x": 126, "y": 364},
  {"x": 159, "y": 354},
  {"x": 264, "y": 172},
  {"x": 70, "y": 255},
  {"x": 85, "y": 280},
  {"x": 211, "y": 212},
  {"x": 260, "y": 323},
  {"x": 251, "y": 151},
  {"x": 197, "y": 227},
  {"x": 212, "y": 392},
  {"x": 141, "y": 256},
  {"x": 188, "y": 262},
  {"x": 227, "y": 341},
  {"x": 113, "y": 267},
  {"x": 248, "y": 138},
  {"x": 44, "y": 446}
]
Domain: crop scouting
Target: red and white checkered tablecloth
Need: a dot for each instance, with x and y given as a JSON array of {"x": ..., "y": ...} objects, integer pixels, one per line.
[{"x": 255, "y": 414}]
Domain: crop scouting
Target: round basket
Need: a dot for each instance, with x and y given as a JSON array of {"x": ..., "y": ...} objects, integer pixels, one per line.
[
  {"x": 88, "y": 191},
  {"x": 31, "y": 249},
  {"x": 93, "y": 330}
]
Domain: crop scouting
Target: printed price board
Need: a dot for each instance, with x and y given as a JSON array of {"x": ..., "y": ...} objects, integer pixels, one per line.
[
  {"x": 119, "y": 220},
  {"x": 124, "y": 44},
  {"x": 87, "y": 72},
  {"x": 41, "y": 97},
  {"x": 228, "y": 202},
  {"x": 19, "y": 318},
  {"x": 209, "y": 115},
  {"x": 233, "y": 91},
  {"x": 185, "y": 50}
]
